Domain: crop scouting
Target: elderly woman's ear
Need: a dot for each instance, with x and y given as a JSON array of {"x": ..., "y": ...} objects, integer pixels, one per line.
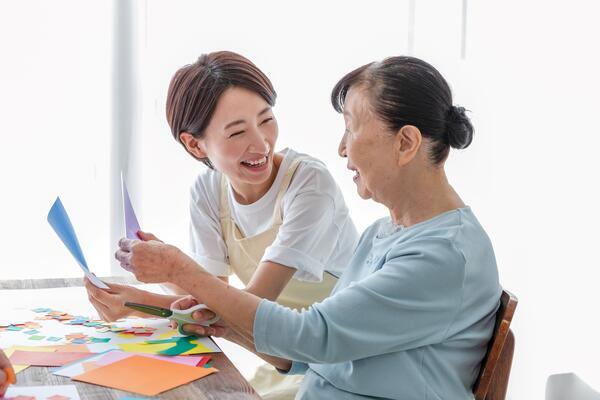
[{"x": 407, "y": 144}]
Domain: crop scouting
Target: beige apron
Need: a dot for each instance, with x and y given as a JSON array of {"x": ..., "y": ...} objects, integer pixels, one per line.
[{"x": 244, "y": 256}]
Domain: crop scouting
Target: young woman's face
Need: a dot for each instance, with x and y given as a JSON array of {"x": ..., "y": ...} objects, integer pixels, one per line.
[
  {"x": 368, "y": 146},
  {"x": 241, "y": 136}
]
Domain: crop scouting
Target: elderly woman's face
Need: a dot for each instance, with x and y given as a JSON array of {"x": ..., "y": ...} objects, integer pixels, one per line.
[{"x": 368, "y": 146}]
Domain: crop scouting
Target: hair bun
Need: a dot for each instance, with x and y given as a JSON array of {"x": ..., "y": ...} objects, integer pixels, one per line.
[{"x": 458, "y": 128}]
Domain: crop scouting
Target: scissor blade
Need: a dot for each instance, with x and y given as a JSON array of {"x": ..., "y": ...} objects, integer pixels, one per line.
[{"x": 152, "y": 310}]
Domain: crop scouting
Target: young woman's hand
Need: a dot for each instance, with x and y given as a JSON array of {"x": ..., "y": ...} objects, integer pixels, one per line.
[
  {"x": 217, "y": 329},
  {"x": 110, "y": 303},
  {"x": 7, "y": 374}
]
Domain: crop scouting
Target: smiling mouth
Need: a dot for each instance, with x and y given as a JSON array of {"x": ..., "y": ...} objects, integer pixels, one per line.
[{"x": 256, "y": 163}]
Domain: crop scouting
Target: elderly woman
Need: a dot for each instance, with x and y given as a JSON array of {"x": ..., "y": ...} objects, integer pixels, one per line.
[{"x": 412, "y": 314}]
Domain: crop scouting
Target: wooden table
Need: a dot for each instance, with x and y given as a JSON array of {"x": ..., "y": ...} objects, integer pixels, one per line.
[{"x": 228, "y": 383}]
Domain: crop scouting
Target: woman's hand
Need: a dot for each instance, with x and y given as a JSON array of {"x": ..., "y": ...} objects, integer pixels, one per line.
[
  {"x": 110, "y": 303},
  {"x": 7, "y": 374},
  {"x": 150, "y": 261},
  {"x": 217, "y": 329}
]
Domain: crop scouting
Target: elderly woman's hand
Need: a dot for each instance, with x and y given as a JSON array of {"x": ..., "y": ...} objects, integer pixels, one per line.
[
  {"x": 7, "y": 374},
  {"x": 150, "y": 261},
  {"x": 217, "y": 329}
]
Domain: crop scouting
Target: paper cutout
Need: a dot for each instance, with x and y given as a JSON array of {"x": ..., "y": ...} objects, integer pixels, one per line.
[
  {"x": 143, "y": 375},
  {"x": 55, "y": 392},
  {"x": 111, "y": 356},
  {"x": 10, "y": 350},
  {"x": 45, "y": 359},
  {"x": 60, "y": 222},
  {"x": 100, "y": 336},
  {"x": 186, "y": 346},
  {"x": 132, "y": 227}
]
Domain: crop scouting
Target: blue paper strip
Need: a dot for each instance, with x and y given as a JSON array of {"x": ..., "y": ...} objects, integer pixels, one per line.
[{"x": 60, "y": 222}]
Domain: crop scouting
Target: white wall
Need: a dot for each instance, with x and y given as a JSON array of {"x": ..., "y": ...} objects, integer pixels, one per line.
[{"x": 530, "y": 77}]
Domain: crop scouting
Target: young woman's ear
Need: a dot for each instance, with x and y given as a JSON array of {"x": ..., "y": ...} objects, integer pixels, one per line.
[
  {"x": 407, "y": 143},
  {"x": 193, "y": 145}
]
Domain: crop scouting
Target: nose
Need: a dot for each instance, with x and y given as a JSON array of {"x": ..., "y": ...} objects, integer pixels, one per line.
[
  {"x": 259, "y": 142},
  {"x": 342, "y": 147}
]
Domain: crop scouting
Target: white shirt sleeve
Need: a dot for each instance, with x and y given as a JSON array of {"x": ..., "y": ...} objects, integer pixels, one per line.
[
  {"x": 206, "y": 240},
  {"x": 308, "y": 235}
]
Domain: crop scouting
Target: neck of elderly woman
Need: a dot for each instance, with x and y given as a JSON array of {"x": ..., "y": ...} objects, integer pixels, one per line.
[{"x": 422, "y": 192}]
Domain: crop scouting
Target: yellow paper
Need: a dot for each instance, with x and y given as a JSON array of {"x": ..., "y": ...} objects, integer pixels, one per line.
[
  {"x": 158, "y": 347},
  {"x": 168, "y": 335}
]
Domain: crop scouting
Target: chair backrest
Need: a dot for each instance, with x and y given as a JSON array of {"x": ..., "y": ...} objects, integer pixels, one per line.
[{"x": 492, "y": 382}]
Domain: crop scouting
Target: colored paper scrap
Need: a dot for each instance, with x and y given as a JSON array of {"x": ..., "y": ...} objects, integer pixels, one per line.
[
  {"x": 176, "y": 346},
  {"x": 54, "y": 392},
  {"x": 60, "y": 222},
  {"x": 143, "y": 375},
  {"x": 45, "y": 359},
  {"x": 132, "y": 227}
]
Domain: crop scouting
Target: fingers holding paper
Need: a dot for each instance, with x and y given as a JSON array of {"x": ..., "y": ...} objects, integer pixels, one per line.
[
  {"x": 150, "y": 261},
  {"x": 110, "y": 303}
]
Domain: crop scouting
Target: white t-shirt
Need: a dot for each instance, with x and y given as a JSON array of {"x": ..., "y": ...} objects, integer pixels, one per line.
[{"x": 316, "y": 235}]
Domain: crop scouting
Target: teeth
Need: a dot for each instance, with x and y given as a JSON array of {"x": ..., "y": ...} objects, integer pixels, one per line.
[{"x": 256, "y": 162}]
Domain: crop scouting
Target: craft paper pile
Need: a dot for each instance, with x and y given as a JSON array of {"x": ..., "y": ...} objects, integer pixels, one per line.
[
  {"x": 48, "y": 327},
  {"x": 143, "y": 375},
  {"x": 106, "y": 358}
]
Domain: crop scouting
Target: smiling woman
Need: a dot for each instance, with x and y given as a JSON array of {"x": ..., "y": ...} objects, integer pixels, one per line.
[{"x": 275, "y": 219}]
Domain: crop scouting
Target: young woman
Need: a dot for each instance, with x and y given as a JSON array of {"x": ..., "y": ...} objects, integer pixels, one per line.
[
  {"x": 275, "y": 219},
  {"x": 414, "y": 310}
]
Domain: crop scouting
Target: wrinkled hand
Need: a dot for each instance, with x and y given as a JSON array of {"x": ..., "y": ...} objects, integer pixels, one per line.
[
  {"x": 150, "y": 261},
  {"x": 146, "y": 236},
  {"x": 110, "y": 303},
  {"x": 219, "y": 328},
  {"x": 7, "y": 375}
]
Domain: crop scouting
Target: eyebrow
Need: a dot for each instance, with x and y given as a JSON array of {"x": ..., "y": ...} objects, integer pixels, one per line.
[{"x": 241, "y": 121}]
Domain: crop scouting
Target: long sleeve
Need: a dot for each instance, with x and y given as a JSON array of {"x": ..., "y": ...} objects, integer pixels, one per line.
[{"x": 409, "y": 300}]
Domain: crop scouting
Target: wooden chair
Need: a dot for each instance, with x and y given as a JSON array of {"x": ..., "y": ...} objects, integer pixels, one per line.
[{"x": 492, "y": 382}]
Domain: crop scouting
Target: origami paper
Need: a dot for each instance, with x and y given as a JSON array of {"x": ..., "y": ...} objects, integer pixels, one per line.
[
  {"x": 45, "y": 359},
  {"x": 60, "y": 222},
  {"x": 131, "y": 223},
  {"x": 108, "y": 357},
  {"x": 55, "y": 392},
  {"x": 143, "y": 375}
]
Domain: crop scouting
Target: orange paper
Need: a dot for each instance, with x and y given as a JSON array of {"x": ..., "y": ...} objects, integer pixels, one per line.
[{"x": 144, "y": 375}]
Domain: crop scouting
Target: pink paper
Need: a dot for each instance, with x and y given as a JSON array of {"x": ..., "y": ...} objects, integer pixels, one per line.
[{"x": 113, "y": 356}]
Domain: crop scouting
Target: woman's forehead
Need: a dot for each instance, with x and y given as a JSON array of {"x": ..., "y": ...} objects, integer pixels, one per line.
[{"x": 356, "y": 105}]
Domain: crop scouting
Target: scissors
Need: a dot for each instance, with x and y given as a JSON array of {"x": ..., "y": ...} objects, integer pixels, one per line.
[
  {"x": 11, "y": 378},
  {"x": 179, "y": 316}
]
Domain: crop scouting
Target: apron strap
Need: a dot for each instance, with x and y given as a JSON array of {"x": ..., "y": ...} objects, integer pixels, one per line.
[
  {"x": 224, "y": 211},
  {"x": 285, "y": 184}
]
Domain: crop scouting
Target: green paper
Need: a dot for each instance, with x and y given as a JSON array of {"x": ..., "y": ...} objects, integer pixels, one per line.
[{"x": 182, "y": 345}]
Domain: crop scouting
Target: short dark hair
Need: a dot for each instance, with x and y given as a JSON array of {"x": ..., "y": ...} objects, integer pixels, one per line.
[
  {"x": 408, "y": 91},
  {"x": 196, "y": 88}
]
